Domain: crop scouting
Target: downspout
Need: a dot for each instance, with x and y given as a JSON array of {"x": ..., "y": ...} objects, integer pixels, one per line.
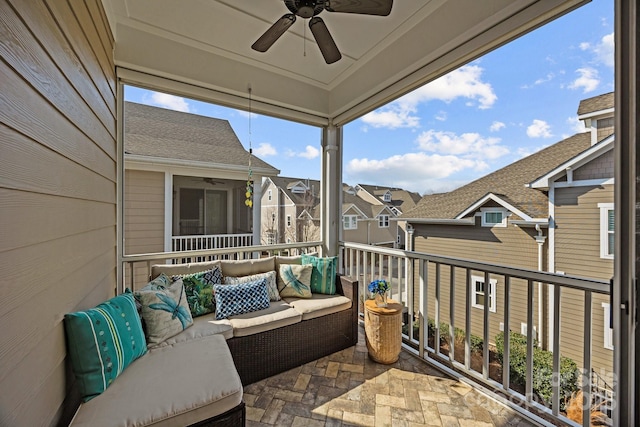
[{"x": 540, "y": 239}]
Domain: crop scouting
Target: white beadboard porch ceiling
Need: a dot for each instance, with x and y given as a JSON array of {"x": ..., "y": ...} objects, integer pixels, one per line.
[{"x": 207, "y": 44}]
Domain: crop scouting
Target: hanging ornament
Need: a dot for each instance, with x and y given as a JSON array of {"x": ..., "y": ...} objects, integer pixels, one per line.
[{"x": 249, "y": 190}]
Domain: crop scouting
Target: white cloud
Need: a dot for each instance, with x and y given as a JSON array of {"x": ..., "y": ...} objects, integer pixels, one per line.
[
  {"x": 265, "y": 150},
  {"x": 605, "y": 50},
  {"x": 165, "y": 100},
  {"x": 588, "y": 80},
  {"x": 466, "y": 144},
  {"x": 496, "y": 126},
  {"x": 392, "y": 117},
  {"x": 309, "y": 152},
  {"x": 576, "y": 125},
  {"x": 465, "y": 82},
  {"x": 539, "y": 129},
  {"x": 419, "y": 172}
]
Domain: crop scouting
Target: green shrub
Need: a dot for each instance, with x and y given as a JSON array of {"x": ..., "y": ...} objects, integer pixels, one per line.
[
  {"x": 458, "y": 334},
  {"x": 542, "y": 368}
]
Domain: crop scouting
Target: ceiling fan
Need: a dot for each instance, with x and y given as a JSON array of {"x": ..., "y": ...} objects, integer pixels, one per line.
[{"x": 310, "y": 9}]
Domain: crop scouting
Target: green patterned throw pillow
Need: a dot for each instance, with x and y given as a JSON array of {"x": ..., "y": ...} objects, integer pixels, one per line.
[
  {"x": 295, "y": 280},
  {"x": 199, "y": 290},
  {"x": 164, "y": 310},
  {"x": 323, "y": 273},
  {"x": 102, "y": 342}
]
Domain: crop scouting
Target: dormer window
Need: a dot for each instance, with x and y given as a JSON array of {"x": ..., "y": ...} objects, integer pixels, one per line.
[
  {"x": 386, "y": 197},
  {"x": 494, "y": 217}
]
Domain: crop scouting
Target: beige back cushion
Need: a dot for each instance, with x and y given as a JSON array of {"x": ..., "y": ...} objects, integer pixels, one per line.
[
  {"x": 189, "y": 268},
  {"x": 246, "y": 267}
]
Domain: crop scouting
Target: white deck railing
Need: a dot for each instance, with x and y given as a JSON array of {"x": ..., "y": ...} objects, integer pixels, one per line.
[
  {"x": 423, "y": 283},
  {"x": 210, "y": 241}
]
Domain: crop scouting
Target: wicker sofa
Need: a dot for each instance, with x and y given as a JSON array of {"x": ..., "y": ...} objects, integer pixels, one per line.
[{"x": 247, "y": 348}]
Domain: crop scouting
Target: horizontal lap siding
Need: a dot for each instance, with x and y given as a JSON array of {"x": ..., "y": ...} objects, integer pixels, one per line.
[
  {"x": 57, "y": 193},
  {"x": 144, "y": 218},
  {"x": 577, "y": 253},
  {"x": 512, "y": 246}
]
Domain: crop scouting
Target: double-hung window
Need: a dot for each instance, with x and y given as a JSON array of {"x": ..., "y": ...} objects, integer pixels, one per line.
[
  {"x": 383, "y": 221},
  {"x": 606, "y": 230},
  {"x": 350, "y": 222},
  {"x": 479, "y": 293}
]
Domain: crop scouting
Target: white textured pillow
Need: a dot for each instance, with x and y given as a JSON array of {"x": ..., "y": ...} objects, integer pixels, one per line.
[
  {"x": 295, "y": 280},
  {"x": 270, "y": 276}
]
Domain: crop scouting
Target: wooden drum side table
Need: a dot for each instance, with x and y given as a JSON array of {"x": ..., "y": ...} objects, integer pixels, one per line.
[{"x": 383, "y": 331}]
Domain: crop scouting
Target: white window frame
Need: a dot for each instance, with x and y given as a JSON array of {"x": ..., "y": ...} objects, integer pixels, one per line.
[
  {"x": 271, "y": 238},
  {"x": 608, "y": 332},
  {"x": 386, "y": 197},
  {"x": 605, "y": 208},
  {"x": 269, "y": 195},
  {"x": 350, "y": 222},
  {"x": 485, "y": 211},
  {"x": 383, "y": 221},
  {"x": 288, "y": 220},
  {"x": 493, "y": 284}
]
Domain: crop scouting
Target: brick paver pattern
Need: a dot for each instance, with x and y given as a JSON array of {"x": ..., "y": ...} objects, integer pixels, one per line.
[{"x": 349, "y": 389}]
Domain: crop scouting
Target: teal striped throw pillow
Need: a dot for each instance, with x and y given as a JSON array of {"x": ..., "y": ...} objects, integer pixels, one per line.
[
  {"x": 102, "y": 342},
  {"x": 323, "y": 274}
]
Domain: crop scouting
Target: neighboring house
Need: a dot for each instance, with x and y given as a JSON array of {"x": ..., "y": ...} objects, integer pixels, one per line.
[
  {"x": 186, "y": 175},
  {"x": 395, "y": 199},
  {"x": 551, "y": 211},
  {"x": 289, "y": 210},
  {"x": 367, "y": 222}
]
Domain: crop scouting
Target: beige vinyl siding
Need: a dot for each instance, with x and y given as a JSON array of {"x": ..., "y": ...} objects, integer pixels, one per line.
[
  {"x": 57, "y": 194},
  {"x": 511, "y": 245},
  {"x": 599, "y": 168},
  {"x": 577, "y": 253},
  {"x": 143, "y": 218}
]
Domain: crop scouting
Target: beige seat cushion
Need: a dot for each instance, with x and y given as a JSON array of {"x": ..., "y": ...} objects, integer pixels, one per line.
[
  {"x": 277, "y": 315},
  {"x": 169, "y": 386},
  {"x": 319, "y": 305},
  {"x": 179, "y": 269},
  {"x": 203, "y": 326},
  {"x": 247, "y": 267}
]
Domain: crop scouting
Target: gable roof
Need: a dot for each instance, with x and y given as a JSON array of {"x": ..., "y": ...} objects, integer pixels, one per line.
[
  {"x": 307, "y": 200},
  {"x": 507, "y": 183},
  {"x": 369, "y": 210},
  {"x": 597, "y": 103},
  {"x": 161, "y": 133},
  {"x": 400, "y": 198}
]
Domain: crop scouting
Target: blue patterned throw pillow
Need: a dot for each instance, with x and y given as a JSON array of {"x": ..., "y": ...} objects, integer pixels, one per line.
[
  {"x": 102, "y": 342},
  {"x": 323, "y": 273},
  {"x": 241, "y": 298},
  {"x": 199, "y": 290},
  {"x": 272, "y": 286}
]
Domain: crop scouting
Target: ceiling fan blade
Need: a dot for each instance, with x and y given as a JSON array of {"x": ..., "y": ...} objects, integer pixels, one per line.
[
  {"x": 273, "y": 33},
  {"x": 325, "y": 41},
  {"x": 364, "y": 7}
]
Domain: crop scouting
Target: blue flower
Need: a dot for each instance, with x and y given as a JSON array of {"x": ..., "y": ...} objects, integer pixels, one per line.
[{"x": 378, "y": 286}]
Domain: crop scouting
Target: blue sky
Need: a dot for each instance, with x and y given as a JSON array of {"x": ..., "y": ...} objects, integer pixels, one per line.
[{"x": 508, "y": 104}]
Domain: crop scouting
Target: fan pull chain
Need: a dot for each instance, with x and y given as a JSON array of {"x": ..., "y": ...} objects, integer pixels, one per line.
[
  {"x": 304, "y": 40},
  {"x": 249, "y": 190}
]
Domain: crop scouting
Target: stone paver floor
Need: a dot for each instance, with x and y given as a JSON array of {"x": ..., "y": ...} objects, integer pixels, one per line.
[{"x": 349, "y": 389}]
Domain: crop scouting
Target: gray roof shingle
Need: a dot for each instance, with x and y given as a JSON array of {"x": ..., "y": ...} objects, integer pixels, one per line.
[
  {"x": 507, "y": 183},
  {"x": 158, "y": 132},
  {"x": 597, "y": 103}
]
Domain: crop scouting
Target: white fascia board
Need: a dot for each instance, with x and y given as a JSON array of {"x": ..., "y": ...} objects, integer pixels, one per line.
[
  {"x": 593, "y": 114},
  {"x": 443, "y": 221},
  {"x": 498, "y": 200},
  {"x": 579, "y": 160},
  {"x": 542, "y": 222},
  {"x": 191, "y": 167}
]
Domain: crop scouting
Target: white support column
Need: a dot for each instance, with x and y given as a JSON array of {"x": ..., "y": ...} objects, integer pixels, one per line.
[
  {"x": 168, "y": 211},
  {"x": 257, "y": 210},
  {"x": 331, "y": 189}
]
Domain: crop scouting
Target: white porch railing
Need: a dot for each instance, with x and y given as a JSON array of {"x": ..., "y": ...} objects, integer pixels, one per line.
[
  {"x": 423, "y": 283},
  {"x": 210, "y": 241}
]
